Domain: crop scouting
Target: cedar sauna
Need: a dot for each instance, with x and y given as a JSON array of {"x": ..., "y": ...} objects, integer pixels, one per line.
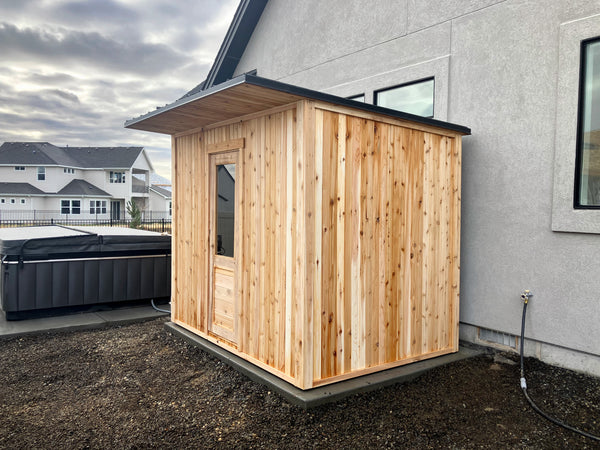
[{"x": 314, "y": 236}]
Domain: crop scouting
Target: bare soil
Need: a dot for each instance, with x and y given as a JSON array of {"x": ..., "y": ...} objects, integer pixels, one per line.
[{"x": 137, "y": 386}]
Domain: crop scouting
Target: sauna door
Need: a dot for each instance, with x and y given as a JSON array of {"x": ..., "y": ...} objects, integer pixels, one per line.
[{"x": 223, "y": 245}]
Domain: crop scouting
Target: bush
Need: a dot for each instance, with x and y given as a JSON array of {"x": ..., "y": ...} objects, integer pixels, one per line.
[{"x": 135, "y": 213}]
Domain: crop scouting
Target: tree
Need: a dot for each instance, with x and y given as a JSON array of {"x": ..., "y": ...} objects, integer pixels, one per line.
[{"x": 135, "y": 213}]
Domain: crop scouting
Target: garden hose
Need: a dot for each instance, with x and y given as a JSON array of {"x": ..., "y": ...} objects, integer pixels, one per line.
[
  {"x": 158, "y": 309},
  {"x": 525, "y": 297}
]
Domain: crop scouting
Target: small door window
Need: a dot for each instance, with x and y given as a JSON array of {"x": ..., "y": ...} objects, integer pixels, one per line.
[{"x": 225, "y": 204}]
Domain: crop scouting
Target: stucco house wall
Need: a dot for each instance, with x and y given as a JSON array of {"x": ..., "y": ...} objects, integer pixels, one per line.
[{"x": 508, "y": 70}]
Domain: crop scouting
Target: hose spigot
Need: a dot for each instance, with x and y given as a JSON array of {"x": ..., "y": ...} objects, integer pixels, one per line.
[{"x": 526, "y": 295}]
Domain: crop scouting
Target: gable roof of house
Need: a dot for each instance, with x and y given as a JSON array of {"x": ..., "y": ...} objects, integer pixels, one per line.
[
  {"x": 19, "y": 189},
  {"x": 46, "y": 154},
  {"x": 232, "y": 48},
  {"x": 161, "y": 191},
  {"x": 82, "y": 188}
]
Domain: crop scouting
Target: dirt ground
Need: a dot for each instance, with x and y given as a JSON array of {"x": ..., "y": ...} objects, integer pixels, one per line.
[{"x": 137, "y": 386}]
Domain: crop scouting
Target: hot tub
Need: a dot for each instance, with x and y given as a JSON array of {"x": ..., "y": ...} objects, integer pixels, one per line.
[{"x": 54, "y": 269}]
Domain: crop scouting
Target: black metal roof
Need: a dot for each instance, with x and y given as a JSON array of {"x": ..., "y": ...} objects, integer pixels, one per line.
[
  {"x": 46, "y": 154},
  {"x": 19, "y": 189},
  {"x": 189, "y": 110},
  {"x": 82, "y": 188}
]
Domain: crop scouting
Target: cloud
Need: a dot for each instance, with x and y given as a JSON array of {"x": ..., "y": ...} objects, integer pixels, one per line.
[
  {"x": 74, "y": 71},
  {"x": 91, "y": 49}
]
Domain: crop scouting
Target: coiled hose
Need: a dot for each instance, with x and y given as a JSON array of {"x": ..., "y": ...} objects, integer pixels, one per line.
[{"x": 525, "y": 296}]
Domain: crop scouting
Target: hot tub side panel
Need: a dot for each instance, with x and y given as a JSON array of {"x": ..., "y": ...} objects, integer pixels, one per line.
[
  {"x": 387, "y": 269},
  {"x": 271, "y": 269}
]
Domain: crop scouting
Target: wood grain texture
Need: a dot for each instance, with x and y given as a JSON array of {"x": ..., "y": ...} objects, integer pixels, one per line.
[{"x": 349, "y": 241}]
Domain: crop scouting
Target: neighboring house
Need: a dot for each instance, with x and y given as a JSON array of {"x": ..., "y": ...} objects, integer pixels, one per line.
[
  {"x": 525, "y": 77},
  {"x": 161, "y": 205},
  {"x": 78, "y": 182}
]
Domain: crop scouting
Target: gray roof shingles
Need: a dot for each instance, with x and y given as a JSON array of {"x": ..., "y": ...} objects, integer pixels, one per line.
[
  {"x": 162, "y": 191},
  {"x": 82, "y": 187},
  {"x": 19, "y": 189},
  {"x": 46, "y": 154},
  {"x": 104, "y": 157}
]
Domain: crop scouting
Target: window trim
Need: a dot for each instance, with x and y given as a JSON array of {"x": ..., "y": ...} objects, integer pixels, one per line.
[
  {"x": 402, "y": 85},
  {"x": 580, "y": 113},
  {"x": 70, "y": 213},
  {"x": 98, "y": 207},
  {"x": 111, "y": 178}
]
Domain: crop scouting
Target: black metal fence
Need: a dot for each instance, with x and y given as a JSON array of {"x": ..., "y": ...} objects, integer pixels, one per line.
[{"x": 151, "y": 220}]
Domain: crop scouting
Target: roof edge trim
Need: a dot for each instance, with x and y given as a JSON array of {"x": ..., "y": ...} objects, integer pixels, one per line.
[{"x": 251, "y": 79}]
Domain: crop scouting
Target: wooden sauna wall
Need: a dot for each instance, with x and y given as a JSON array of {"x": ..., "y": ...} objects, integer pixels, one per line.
[
  {"x": 350, "y": 241},
  {"x": 271, "y": 311},
  {"x": 387, "y": 274}
]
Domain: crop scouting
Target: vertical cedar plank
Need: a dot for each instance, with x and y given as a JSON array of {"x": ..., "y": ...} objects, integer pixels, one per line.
[
  {"x": 370, "y": 303},
  {"x": 357, "y": 301},
  {"x": 300, "y": 245},
  {"x": 417, "y": 296},
  {"x": 274, "y": 197},
  {"x": 176, "y": 304},
  {"x": 381, "y": 241},
  {"x": 340, "y": 291},
  {"x": 318, "y": 302},
  {"x": 289, "y": 229},
  {"x": 328, "y": 315},
  {"x": 311, "y": 259}
]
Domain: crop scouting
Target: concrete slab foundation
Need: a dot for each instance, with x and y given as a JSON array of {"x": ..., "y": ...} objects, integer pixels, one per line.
[
  {"x": 324, "y": 394},
  {"x": 77, "y": 321}
]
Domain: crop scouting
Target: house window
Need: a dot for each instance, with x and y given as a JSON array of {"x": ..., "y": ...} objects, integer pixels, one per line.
[
  {"x": 358, "y": 98},
  {"x": 117, "y": 177},
  {"x": 68, "y": 170},
  {"x": 97, "y": 206},
  {"x": 70, "y": 206},
  {"x": 20, "y": 168},
  {"x": 170, "y": 208},
  {"x": 13, "y": 201},
  {"x": 22, "y": 201},
  {"x": 41, "y": 173},
  {"x": 414, "y": 98},
  {"x": 587, "y": 176},
  {"x": 2, "y": 200}
]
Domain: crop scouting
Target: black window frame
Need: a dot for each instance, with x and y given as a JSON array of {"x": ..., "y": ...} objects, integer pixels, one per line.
[
  {"x": 410, "y": 83},
  {"x": 579, "y": 140},
  {"x": 72, "y": 208}
]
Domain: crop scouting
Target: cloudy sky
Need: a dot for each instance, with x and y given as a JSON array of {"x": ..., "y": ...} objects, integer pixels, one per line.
[{"x": 72, "y": 71}]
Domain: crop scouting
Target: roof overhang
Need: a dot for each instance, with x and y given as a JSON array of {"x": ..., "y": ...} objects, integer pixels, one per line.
[{"x": 248, "y": 94}]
